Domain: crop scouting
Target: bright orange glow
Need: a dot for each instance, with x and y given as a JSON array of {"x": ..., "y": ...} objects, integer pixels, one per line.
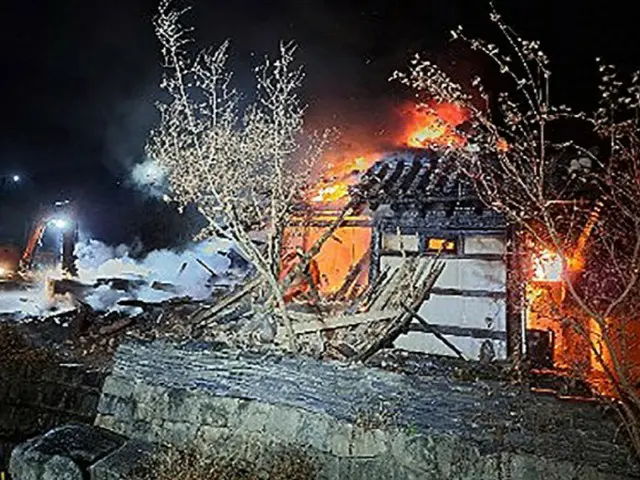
[
  {"x": 431, "y": 126},
  {"x": 502, "y": 145},
  {"x": 437, "y": 244},
  {"x": 548, "y": 266},
  {"x": 348, "y": 247},
  {"x": 434, "y": 125},
  {"x": 341, "y": 172}
]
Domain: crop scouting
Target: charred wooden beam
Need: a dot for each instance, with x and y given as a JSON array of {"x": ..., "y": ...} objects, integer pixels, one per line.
[
  {"x": 433, "y": 330},
  {"x": 351, "y": 277},
  {"x": 230, "y": 300}
]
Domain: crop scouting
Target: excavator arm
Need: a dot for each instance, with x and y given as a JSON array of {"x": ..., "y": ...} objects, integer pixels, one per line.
[{"x": 32, "y": 243}]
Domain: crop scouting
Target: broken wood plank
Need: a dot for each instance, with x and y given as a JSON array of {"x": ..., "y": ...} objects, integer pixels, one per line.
[
  {"x": 433, "y": 330},
  {"x": 387, "y": 338},
  {"x": 342, "y": 321},
  {"x": 373, "y": 292},
  {"x": 164, "y": 287},
  {"x": 206, "y": 267},
  {"x": 230, "y": 300},
  {"x": 381, "y": 290},
  {"x": 133, "y": 302},
  {"x": 401, "y": 323},
  {"x": 116, "y": 326},
  {"x": 182, "y": 268},
  {"x": 352, "y": 276}
]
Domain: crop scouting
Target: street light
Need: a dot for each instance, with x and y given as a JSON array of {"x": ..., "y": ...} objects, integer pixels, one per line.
[
  {"x": 60, "y": 223},
  {"x": 6, "y": 180}
]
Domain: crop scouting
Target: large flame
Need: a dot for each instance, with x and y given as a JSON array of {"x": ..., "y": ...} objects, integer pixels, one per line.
[
  {"x": 424, "y": 127},
  {"x": 430, "y": 126},
  {"x": 435, "y": 125},
  {"x": 548, "y": 266}
]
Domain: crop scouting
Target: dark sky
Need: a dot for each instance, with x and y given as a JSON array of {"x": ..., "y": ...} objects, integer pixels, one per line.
[{"x": 78, "y": 78}]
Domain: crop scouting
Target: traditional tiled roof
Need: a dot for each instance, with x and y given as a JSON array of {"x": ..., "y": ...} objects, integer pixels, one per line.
[{"x": 412, "y": 176}]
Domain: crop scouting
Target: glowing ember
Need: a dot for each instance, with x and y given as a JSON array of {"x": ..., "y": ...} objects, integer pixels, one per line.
[
  {"x": 548, "y": 266},
  {"x": 333, "y": 189},
  {"x": 502, "y": 145},
  {"x": 430, "y": 126},
  {"x": 435, "y": 125}
]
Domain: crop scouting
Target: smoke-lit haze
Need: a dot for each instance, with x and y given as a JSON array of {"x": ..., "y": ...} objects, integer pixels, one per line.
[
  {"x": 80, "y": 78},
  {"x": 99, "y": 262}
]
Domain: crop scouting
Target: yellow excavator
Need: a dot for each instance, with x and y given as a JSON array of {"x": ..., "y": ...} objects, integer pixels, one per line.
[{"x": 17, "y": 264}]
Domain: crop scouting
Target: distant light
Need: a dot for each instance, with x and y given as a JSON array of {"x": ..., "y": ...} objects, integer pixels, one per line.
[
  {"x": 60, "y": 223},
  {"x": 16, "y": 178}
]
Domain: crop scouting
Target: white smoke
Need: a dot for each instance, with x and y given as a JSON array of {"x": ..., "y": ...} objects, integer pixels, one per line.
[
  {"x": 160, "y": 275},
  {"x": 186, "y": 273},
  {"x": 32, "y": 300},
  {"x": 150, "y": 177}
]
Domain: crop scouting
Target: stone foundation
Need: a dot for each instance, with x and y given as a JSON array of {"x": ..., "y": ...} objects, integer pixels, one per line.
[
  {"x": 354, "y": 422},
  {"x": 35, "y": 398}
]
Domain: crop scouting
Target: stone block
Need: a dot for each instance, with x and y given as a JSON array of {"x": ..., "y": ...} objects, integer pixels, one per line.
[
  {"x": 119, "y": 407},
  {"x": 118, "y": 386},
  {"x": 256, "y": 417},
  {"x": 35, "y": 466},
  {"x": 62, "y": 453},
  {"x": 339, "y": 440},
  {"x": 284, "y": 423},
  {"x": 372, "y": 468},
  {"x": 214, "y": 412},
  {"x": 369, "y": 443},
  {"x": 181, "y": 406},
  {"x": 531, "y": 467},
  {"x": 248, "y": 405},
  {"x": 151, "y": 402},
  {"x": 208, "y": 437},
  {"x": 315, "y": 430},
  {"x": 180, "y": 434},
  {"x": 123, "y": 462}
]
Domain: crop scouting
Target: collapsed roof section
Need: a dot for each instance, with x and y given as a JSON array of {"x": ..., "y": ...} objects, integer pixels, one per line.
[
  {"x": 420, "y": 183},
  {"x": 413, "y": 176}
]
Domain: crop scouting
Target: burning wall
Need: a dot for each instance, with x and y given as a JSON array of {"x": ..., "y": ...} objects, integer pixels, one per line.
[{"x": 350, "y": 245}]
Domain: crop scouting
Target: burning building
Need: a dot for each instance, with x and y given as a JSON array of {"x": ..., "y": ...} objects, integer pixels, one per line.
[
  {"x": 413, "y": 204},
  {"x": 422, "y": 207},
  {"x": 496, "y": 295}
]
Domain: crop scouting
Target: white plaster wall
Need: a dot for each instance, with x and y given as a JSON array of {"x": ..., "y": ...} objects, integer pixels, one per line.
[
  {"x": 463, "y": 273},
  {"x": 396, "y": 243},
  {"x": 487, "y": 244},
  {"x": 469, "y": 312},
  {"x": 428, "y": 343},
  {"x": 482, "y": 312}
]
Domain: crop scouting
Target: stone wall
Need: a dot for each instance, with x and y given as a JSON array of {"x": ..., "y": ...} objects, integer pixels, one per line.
[
  {"x": 35, "y": 397},
  {"x": 354, "y": 422}
]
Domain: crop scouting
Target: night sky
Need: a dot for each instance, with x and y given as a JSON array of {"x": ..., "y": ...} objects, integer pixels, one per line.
[{"x": 79, "y": 78}]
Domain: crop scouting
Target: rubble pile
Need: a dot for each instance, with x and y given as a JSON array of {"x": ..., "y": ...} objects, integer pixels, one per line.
[{"x": 235, "y": 313}]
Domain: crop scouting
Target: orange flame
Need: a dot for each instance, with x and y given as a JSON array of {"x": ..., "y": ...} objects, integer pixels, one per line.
[
  {"x": 340, "y": 174},
  {"x": 430, "y": 126},
  {"x": 548, "y": 266},
  {"x": 435, "y": 125}
]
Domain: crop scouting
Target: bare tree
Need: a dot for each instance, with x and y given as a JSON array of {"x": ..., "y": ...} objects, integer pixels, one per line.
[
  {"x": 244, "y": 168},
  {"x": 528, "y": 159}
]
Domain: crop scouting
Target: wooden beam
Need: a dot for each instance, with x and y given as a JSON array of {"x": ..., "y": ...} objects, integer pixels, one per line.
[
  {"x": 433, "y": 329},
  {"x": 312, "y": 324},
  {"x": 230, "y": 300}
]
